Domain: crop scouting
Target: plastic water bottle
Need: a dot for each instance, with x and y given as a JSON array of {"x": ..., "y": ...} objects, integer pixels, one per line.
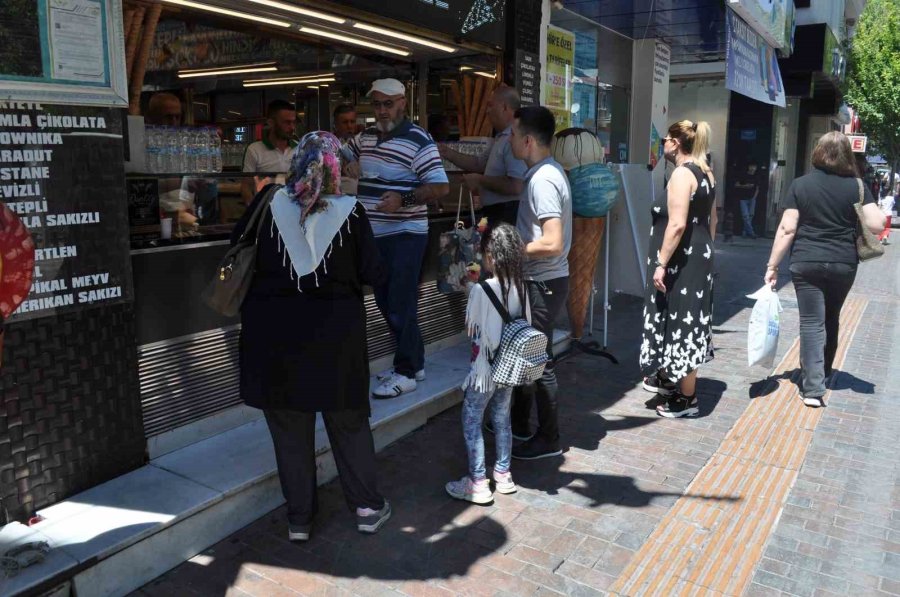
[
  {"x": 151, "y": 149},
  {"x": 200, "y": 150},
  {"x": 171, "y": 159},
  {"x": 186, "y": 158},
  {"x": 215, "y": 150}
]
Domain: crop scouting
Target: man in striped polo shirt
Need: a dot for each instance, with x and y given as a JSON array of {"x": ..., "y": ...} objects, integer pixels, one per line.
[{"x": 400, "y": 173}]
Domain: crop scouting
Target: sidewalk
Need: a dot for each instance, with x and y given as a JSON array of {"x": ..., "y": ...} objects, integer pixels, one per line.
[{"x": 758, "y": 495}]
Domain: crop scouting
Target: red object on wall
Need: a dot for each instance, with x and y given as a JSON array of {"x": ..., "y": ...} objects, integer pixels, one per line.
[{"x": 16, "y": 261}]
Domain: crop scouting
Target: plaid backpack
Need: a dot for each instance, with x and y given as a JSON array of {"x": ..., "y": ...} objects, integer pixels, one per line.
[{"x": 522, "y": 355}]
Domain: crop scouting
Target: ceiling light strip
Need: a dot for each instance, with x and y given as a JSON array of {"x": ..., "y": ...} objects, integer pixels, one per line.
[
  {"x": 292, "y": 78},
  {"x": 288, "y": 82},
  {"x": 212, "y": 68},
  {"x": 228, "y": 11},
  {"x": 314, "y": 14},
  {"x": 481, "y": 73},
  {"x": 404, "y": 36},
  {"x": 238, "y": 71},
  {"x": 354, "y": 40}
]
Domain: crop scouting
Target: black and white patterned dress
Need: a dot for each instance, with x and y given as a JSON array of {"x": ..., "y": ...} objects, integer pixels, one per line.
[{"x": 677, "y": 324}]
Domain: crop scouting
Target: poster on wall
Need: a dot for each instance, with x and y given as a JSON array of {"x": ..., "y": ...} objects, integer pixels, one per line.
[
  {"x": 63, "y": 51},
  {"x": 558, "y": 86},
  {"x": 662, "y": 58},
  {"x": 751, "y": 64},
  {"x": 61, "y": 173}
]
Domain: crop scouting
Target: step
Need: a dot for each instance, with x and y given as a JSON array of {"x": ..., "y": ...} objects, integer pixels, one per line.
[{"x": 118, "y": 536}]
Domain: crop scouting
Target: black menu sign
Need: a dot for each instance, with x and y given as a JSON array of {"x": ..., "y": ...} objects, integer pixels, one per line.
[
  {"x": 528, "y": 77},
  {"x": 61, "y": 171}
]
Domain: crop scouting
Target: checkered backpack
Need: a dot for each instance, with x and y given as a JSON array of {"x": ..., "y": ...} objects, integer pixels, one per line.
[{"x": 522, "y": 355}]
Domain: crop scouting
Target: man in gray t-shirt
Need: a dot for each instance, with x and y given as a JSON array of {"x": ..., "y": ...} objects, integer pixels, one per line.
[
  {"x": 496, "y": 175},
  {"x": 545, "y": 223}
]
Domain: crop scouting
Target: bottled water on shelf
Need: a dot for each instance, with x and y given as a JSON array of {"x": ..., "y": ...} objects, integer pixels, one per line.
[
  {"x": 171, "y": 150},
  {"x": 187, "y": 159},
  {"x": 215, "y": 149},
  {"x": 152, "y": 148},
  {"x": 200, "y": 148}
]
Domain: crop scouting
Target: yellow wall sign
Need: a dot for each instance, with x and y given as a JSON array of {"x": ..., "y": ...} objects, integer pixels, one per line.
[{"x": 560, "y": 62}]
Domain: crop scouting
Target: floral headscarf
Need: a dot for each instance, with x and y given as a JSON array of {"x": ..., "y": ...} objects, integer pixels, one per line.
[{"x": 315, "y": 171}]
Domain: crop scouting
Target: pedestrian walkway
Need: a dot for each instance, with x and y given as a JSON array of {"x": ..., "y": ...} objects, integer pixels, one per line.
[{"x": 759, "y": 495}]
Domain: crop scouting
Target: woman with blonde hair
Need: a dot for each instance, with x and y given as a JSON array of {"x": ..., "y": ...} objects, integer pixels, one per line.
[
  {"x": 303, "y": 335},
  {"x": 819, "y": 227},
  {"x": 677, "y": 323}
]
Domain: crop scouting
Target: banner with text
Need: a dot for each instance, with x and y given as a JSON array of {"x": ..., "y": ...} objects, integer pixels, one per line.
[
  {"x": 662, "y": 61},
  {"x": 560, "y": 69},
  {"x": 61, "y": 171},
  {"x": 751, "y": 64}
]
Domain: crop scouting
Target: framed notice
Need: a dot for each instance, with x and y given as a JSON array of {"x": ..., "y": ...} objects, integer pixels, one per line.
[{"x": 63, "y": 52}]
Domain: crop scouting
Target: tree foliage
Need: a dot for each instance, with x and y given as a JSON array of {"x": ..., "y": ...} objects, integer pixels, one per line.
[{"x": 873, "y": 82}]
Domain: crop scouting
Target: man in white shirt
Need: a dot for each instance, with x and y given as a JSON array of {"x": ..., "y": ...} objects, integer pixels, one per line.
[
  {"x": 276, "y": 149},
  {"x": 886, "y": 204},
  {"x": 496, "y": 175}
]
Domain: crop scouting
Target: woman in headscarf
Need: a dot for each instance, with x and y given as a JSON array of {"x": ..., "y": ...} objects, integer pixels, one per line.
[{"x": 303, "y": 338}]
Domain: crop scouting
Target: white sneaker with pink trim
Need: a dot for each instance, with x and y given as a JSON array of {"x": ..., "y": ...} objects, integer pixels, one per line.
[
  {"x": 477, "y": 492},
  {"x": 503, "y": 483}
]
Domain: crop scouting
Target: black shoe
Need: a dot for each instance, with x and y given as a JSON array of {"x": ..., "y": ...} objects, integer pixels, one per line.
[
  {"x": 298, "y": 533},
  {"x": 679, "y": 406},
  {"x": 371, "y": 523},
  {"x": 656, "y": 401},
  {"x": 536, "y": 448},
  {"x": 657, "y": 383}
]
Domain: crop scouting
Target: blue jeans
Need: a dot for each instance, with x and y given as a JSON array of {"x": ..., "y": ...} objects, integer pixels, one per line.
[
  {"x": 473, "y": 408},
  {"x": 398, "y": 299},
  {"x": 748, "y": 210}
]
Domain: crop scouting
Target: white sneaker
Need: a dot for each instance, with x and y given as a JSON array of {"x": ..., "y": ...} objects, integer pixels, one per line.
[
  {"x": 814, "y": 402},
  {"x": 503, "y": 483},
  {"x": 467, "y": 490},
  {"x": 394, "y": 386},
  {"x": 385, "y": 375}
]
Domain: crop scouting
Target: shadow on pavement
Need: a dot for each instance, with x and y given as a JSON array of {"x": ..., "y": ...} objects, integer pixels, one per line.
[{"x": 841, "y": 380}]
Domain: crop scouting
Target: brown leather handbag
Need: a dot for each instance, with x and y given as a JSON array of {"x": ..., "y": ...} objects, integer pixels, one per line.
[{"x": 867, "y": 244}]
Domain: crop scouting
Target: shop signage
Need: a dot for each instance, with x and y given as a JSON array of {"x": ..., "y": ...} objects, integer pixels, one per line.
[
  {"x": 751, "y": 65},
  {"x": 858, "y": 143},
  {"x": 772, "y": 19},
  {"x": 175, "y": 46},
  {"x": 528, "y": 77},
  {"x": 473, "y": 20},
  {"x": 662, "y": 59},
  {"x": 63, "y": 51},
  {"x": 62, "y": 173},
  {"x": 834, "y": 64},
  {"x": 560, "y": 60}
]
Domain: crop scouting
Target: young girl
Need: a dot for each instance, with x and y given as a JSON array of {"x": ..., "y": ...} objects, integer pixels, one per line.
[{"x": 503, "y": 255}]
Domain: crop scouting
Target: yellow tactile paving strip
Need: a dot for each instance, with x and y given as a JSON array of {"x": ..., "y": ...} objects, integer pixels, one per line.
[{"x": 713, "y": 537}]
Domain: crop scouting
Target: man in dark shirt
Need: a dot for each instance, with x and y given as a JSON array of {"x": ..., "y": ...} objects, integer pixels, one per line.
[{"x": 748, "y": 187}]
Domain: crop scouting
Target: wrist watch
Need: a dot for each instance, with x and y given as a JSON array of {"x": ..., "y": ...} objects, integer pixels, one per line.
[{"x": 408, "y": 199}]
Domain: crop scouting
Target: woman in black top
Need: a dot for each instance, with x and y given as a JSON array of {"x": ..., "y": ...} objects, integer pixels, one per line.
[
  {"x": 677, "y": 324},
  {"x": 303, "y": 337},
  {"x": 819, "y": 226}
]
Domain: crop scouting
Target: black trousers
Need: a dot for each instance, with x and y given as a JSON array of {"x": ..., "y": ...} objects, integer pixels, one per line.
[
  {"x": 821, "y": 290},
  {"x": 547, "y": 302},
  {"x": 506, "y": 212},
  {"x": 294, "y": 436}
]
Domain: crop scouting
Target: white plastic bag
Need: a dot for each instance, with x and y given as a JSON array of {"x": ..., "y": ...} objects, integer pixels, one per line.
[{"x": 765, "y": 323}]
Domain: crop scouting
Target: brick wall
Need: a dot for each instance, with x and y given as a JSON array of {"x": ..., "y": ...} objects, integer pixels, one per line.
[{"x": 69, "y": 407}]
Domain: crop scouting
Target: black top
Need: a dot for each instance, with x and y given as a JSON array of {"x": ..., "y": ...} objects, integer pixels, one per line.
[
  {"x": 748, "y": 184},
  {"x": 827, "y": 227}
]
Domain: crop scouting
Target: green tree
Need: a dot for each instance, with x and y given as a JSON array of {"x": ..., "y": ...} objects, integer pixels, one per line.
[{"x": 873, "y": 82}]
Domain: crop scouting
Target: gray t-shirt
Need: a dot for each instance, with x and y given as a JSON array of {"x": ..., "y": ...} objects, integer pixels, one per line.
[
  {"x": 501, "y": 162},
  {"x": 547, "y": 195}
]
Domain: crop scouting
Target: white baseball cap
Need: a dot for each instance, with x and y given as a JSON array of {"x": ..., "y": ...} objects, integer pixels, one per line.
[{"x": 387, "y": 87}]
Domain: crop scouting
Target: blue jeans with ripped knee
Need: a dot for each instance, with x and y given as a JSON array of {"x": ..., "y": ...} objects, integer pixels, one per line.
[{"x": 474, "y": 405}]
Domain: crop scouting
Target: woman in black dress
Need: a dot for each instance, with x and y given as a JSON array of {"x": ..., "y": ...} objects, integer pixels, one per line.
[
  {"x": 677, "y": 324},
  {"x": 303, "y": 337}
]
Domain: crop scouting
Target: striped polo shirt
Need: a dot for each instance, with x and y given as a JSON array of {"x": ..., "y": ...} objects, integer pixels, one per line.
[{"x": 402, "y": 160}]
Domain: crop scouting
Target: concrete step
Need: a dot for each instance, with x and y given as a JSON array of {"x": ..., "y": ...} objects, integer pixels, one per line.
[{"x": 118, "y": 536}]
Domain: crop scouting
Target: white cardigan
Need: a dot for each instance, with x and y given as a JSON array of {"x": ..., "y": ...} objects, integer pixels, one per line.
[{"x": 485, "y": 327}]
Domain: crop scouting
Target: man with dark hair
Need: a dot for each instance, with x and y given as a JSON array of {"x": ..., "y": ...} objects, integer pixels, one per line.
[
  {"x": 276, "y": 149},
  {"x": 164, "y": 109},
  {"x": 545, "y": 223},
  {"x": 344, "y": 125},
  {"x": 496, "y": 175},
  {"x": 748, "y": 187}
]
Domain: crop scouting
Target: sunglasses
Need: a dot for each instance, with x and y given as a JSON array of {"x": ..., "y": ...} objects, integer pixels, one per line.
[{"x": 386, "y": 104}]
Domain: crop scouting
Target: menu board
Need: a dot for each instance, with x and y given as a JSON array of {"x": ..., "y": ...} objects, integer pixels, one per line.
[
  {"x": 528, "y": 77},
  {"x": 62, "y": 173}
]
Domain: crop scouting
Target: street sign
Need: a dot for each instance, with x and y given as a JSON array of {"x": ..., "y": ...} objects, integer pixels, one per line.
[{"x": 858, "y": 143}]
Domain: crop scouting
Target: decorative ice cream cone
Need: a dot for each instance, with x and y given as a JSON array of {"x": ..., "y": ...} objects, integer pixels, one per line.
[{"x": 586, "y": 236}]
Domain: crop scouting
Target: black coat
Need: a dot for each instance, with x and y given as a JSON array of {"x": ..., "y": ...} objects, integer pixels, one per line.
[{"x": 307, "y": 350}]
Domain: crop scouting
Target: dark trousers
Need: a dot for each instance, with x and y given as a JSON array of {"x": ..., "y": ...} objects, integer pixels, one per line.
[
  {"x": 499, "y": 213},
  {"x": 821, "y": 289},
  {"x": 294, "y": 436},
  {"x": 398, "y": 298},
  {"x": 547, "y": 302}
]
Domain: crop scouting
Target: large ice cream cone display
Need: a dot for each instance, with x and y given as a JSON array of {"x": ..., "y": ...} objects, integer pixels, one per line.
[{"x": 586, "y": 236}]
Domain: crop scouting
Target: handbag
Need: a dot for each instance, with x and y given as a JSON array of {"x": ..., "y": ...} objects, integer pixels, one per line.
[
  {"x": 521, "y": 357},
  {"x": 226, "y": 291},
  {"x": 867, "y": 244},
  {"x": 460, "y": 262}
]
